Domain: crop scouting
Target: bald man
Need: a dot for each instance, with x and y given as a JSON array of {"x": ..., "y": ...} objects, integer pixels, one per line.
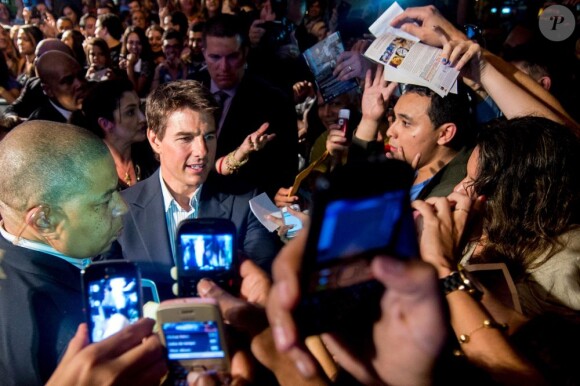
[
  {"x": 31, "y": 96},
  {"x": 59, "y": 207},
  {"x": 63, "y": 82}
]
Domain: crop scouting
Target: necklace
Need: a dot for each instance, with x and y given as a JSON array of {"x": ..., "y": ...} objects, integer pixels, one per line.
[{"x": 128, "y": 180}]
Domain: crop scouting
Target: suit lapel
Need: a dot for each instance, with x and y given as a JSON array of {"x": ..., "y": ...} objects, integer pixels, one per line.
[
  {"x": 148, "y": 209},
  {"x": 213, "y": 204}
]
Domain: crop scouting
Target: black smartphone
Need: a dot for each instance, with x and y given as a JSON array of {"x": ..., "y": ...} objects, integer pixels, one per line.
[
  {"x": 112, "y": 297},
  {"x": 359, "y": 211},
  {"x": 206, "y": 248}
]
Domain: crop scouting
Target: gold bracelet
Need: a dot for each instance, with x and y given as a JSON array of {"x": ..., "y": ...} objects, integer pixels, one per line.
[
  {"x": 487, "y": 323},
  {"x": 234, "y": 164}
]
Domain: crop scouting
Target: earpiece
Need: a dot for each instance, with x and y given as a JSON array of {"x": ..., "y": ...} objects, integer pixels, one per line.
[{"x": 38, "y": 217}]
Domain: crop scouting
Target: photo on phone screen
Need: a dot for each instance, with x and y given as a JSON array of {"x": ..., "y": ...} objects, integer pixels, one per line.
[
  {"x": 112, "y": 297},
  {"x": 207, "y": 252},
  {"x": 191, "y": 340}
]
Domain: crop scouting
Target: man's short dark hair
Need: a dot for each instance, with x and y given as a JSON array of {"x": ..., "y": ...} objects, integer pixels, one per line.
[
  {"x": 83, "y": 21},
  {"x": 175, "y": 96},
  {"x": 453, "y": 108},
  {"x": 113, "y": 25},
  {"x": 173, "y": 34},
  {"x": 225, "y": 26},
  {"x": 198, "y": 26}
]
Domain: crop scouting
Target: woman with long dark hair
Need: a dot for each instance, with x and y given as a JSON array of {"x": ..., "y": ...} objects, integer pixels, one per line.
[{"x": 137, "y": 60}]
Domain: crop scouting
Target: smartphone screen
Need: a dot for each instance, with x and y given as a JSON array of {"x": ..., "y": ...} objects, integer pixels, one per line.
[
  {"x": 207, "y": 252},
  {"x": 206, "y": 248},
  {"x": 113, "y": 303},
  {"x": 358, "y": 213},
  {"x": 191, "y": 340}
]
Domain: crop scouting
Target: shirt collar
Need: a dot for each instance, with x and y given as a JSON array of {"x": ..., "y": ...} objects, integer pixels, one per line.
[
  {"x": 63, "y": 112},
  {"x": 44, "y": 248},
  {"x": 214, "y": 88},
  {"x": 168, "y": 198}
]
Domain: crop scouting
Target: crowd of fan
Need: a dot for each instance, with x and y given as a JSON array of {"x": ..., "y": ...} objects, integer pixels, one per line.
[{"x": 188, "y": 110}]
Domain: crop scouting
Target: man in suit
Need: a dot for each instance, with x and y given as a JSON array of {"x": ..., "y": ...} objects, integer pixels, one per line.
[
  {"x": 63, "y": 82},
  {"x": 59, "y": 207},
  {"x": 181, "y": 120},
  {"x": 247, "y": 102}
]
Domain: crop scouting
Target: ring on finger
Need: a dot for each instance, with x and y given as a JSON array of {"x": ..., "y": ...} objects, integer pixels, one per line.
[
  {"x": 461, "y": 209},
  {"x": 349, "y": 69}
]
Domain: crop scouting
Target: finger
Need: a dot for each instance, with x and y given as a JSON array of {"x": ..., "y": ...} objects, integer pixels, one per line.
[
  {"x": 276, "y": 220},
  {"x": 125, "y": 339},
  {"x": 77, "y": 343},
  {"x": 469, "y": 55},
  {"x": 425, "y": 209},
  {"x": 442, "y": 207},
  {"x": 389, "y": 90},
  {"x": 446, "y": 53},
  {"x": 379, "y": 78},
  {"x": 443, "y": 36},
  {"x": 409, "y": 15},
  {"x": 352, "y": 364},
  {"x": 457, "y": 52},
  {"x": 147, "y": 355},
  {"x": 415, "y": 162},
  {"x": 368, "y": 81},
  {"x": 261, "y": 130}
]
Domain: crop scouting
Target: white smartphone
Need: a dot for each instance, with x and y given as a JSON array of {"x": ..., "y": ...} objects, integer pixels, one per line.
[
  {"x": 289, "y": 219},
  {"x": 193, "y": 333}
]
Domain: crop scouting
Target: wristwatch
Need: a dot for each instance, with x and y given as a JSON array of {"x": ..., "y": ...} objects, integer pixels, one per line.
[{"x": 461, "y": 280}]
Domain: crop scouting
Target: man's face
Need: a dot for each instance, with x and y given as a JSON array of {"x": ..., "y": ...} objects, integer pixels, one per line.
[
  {"x": 100, "y": 31},
  {"x": 171, "y": 49},
  {"x": 65, "y": 84},
  {"x": 138, "y": 19},
  {"x": 90, "y": 25},
  {"x": 134, "y": 6},
  {"x": 91, "y": 221},
  {"x": 225, "y": 59},
  {"x": 63, "y": 25},
  {"x": 412, "y": 132},
  {"x": 196, "y": 43},
  {"x": 130, "y": 123},
  {"x": 187, "y": 150},
  {"x": 328, "y": 112}
]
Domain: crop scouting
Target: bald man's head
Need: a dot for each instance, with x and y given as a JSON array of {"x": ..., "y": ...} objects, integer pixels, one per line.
[
  {"x": 52, "y": 44},
  {"x": 62, "y": 78},
  {"x": 46, "y": 162},
  {"x": 59, "y": 187}
]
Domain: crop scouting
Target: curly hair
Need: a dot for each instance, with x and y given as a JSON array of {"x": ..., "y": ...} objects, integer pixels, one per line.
[{"x": 529, "y": 169}]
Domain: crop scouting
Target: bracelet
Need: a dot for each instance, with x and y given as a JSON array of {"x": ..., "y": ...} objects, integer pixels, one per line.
[
  {"x": 234, "y": 164},
  {"x": 487, "y": 323}
]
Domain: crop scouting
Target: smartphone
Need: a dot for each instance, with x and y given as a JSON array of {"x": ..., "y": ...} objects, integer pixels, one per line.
[
  {"x": 359, "y": 211},
  {"x": 193, "y": 333},
  {"x": 289, "y": 219},
  {"x": 112, "y": 297},
  {"x": 206, "y": 248}
]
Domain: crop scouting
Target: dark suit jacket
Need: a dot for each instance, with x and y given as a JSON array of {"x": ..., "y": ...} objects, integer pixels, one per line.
[
  {"x": 30, "y": 98},
  {"x": 255, "y": 103},
  {"x": 41, "y": 308},
  {"x": 145, "y": 239},
  {"x": 47, "y": 112}
]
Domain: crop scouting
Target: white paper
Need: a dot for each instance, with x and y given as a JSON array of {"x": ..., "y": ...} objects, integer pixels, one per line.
[
  {"x": 262, "y": 207},
  {"x": 382, "y": 25}
]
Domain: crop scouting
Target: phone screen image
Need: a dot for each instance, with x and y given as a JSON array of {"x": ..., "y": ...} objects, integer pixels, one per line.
[
  {"x": 207, "y": 252},
  {"x": 113, "y": 304},
  {"x": 352, "y": 230},
  {"x": 191, "y": 340}
]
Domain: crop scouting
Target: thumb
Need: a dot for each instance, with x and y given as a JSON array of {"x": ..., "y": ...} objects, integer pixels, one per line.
[
  {"x": 413, "y": 29},
  {"x": 77, "y": 343}
]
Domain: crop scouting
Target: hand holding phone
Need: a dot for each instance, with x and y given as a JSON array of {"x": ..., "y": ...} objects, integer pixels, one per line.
[
  {"x": 193, "y": 333},
  {"x": 112, "y": 297}
]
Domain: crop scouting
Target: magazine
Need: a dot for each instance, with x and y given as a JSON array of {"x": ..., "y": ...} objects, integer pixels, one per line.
[
  {"x": 321, "y": 58},
  {"x": 406, "y": 59}
]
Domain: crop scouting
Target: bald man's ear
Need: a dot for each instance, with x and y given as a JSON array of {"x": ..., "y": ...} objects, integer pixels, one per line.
[
  {"x": 47, "y": 90},
  {"x": 154, "y": 140},
  {"x": 447, "y": 132}
]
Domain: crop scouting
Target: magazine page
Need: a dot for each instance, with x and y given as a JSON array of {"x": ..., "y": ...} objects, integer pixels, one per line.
[
  {"x": 321, "y": 58},
  {"x": 407, "y": 60}
]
